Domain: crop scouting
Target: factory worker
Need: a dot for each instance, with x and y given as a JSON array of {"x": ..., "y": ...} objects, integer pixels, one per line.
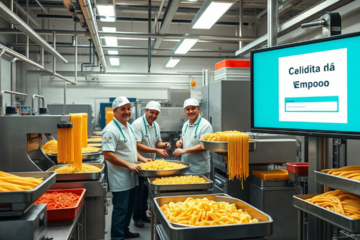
[
  {"x": 189, "y": 145},
  {"x": 149, "y": 143},
  {"x": 119, "y": 149}
]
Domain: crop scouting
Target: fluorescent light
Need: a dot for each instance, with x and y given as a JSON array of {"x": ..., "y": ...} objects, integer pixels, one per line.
[
  {"x": 113, "y": 52},
  {"x": 172, "y": 63},
  {"x": 185, "y": 45},
  {"x": 114, "y": 61},
  {"x": 108, "y": 11},
  {"x": 109, "y": 29},
  {"x": 111, "y": 41},
  {"x": 209, "y": 13}
]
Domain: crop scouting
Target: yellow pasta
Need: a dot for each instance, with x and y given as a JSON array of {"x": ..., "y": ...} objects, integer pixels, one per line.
[
  {"x": 50, "y": 147},
  {"x": 340, "y": 202},
  {"x": 94, "y": 140},
  {"x": 85, "y": 168},
  {"x": 65, "y": 146},
  {"x": 351, "y": 172},
  {"x": 205, "y": 212},
  {"x": 109, "y": 116},
  {"x": 76, "y": 120},
  {"x": 10, "y": 182},
  {"x": 180, "y": 180},
  {"x": 238, "y": 152},
  {"x": 84, "y": 135},
  {"x": 161, "y": 165}
]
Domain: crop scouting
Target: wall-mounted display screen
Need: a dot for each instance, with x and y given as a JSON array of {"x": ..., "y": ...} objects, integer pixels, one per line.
[{"x": 308, "y": 88}]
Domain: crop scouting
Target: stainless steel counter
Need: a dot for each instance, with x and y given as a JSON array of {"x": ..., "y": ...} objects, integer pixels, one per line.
[{"x": 75, "y": 230}]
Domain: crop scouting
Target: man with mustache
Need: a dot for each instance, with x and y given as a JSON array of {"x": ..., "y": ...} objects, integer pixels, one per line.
[
  {"x": 189, "y": 145},
  {"x": 149, "y": 143},
  {"x": 119, "y": 149}
]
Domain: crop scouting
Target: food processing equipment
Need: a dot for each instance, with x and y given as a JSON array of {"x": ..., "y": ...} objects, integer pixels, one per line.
[
  {"x": 270, "y": 149},
  {"x": 21, "y": 141}
]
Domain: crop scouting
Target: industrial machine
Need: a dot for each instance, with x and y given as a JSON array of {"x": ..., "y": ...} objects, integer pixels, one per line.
[
  {"x": 276, "y": 150},
  {"x": 21, "y": 152},
  {"x": 58, "y": 109}
]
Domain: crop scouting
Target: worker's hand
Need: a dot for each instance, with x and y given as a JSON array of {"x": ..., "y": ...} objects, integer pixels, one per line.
[
  {"x": 134, "y": 168},
  {"x": 179, "y": 143},
  {"x": 162, "y": 153},
  {"x": 179, "y": 151},
  {"x": 167, "y": 145},
  {"x": 148, "y": 160}
]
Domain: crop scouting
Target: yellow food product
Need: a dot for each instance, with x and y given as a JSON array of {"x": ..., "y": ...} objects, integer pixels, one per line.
[
  {"x": 238, "y": 152},
  {"x": 95, "y": 145},
  {"x": 205, "y": 212},
  {"x": 180, "y": 180},
  {"x": 340, "y": 202},
  {"x": 161, "y": 165},
  {"x": 351, "y": 172},
  {"x": 109, "y": 116},
  {"x": 84, "y": 135},
  {"x": 65, "y": 145},
  {"x": 10, "y": 182},
  {"x": 76, "y": 120},
  {"x": 90, "y": 149},
  {"x": 50, "y": 147},
  {"x": 94, "y": 140},
  {"x": 85, "y": 168}
]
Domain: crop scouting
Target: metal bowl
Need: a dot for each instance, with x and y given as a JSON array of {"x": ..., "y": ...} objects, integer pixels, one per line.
[
  {"x": 165, "y": 173},
  {"x": 222, "y": 147},
  {"x": 85, "y": 156}
]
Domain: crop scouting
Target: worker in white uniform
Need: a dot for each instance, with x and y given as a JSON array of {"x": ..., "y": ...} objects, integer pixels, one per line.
[
  {"x": 149, "y": 143},
  {"x": 189, "y": 145},
  {"x": 119, "y": 149}
]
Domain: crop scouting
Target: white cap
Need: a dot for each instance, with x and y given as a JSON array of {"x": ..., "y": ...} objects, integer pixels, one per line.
[
  {"x": 153, "y": 105},
  {"x": 120, "y": 101},
  {"x": 191, "y": 102}
]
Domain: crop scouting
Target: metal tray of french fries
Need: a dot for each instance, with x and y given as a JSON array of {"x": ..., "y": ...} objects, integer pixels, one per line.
[
  {"x": 336, "y": 219},
  {"x": 222, "y": 147},
  {"x": 337, "y": 182},
  {"x": 91, "y": 176},
  {"x": 85, "y": 156},
  {"x": 232, "y": 231},
  {"x": 165, "y": 173},
  {"x": 16, "y": 203},
  {"x": 180, "y": 187}
]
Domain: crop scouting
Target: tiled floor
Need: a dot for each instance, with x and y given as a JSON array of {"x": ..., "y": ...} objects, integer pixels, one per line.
[{"x": 144, "y": 232}]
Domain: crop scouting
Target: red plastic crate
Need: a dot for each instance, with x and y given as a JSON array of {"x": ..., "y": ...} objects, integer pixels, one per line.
[
  {"x": 298, "y": 168},
  {"x": 66, "y": 214},
  {"x": 232, "y": 64}
]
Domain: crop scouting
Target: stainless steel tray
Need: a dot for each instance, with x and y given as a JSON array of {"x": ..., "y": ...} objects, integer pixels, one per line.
[
  {"x": 94, "y": 141},
  {"x": 79, "y": 176},
  {"x": 85, "y": 156},
  {"x": 341, "y": 221},
  {"x": 165, "y": 173},
  {"x": 17, "y": 203},
  {"x": 233, "y": 231},
  {"x": 180, "y": 187},
  {"x": 96, "y": 134},
  {"x": 222, "y": 147},
  {"x": 336, "y": 182}
]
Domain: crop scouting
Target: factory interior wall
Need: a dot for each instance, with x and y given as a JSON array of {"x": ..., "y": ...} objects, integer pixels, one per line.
[{"x": 93, "y": 93}]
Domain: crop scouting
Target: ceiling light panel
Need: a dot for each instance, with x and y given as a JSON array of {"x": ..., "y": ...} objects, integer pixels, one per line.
[
  {"x": 114, "y": 61},
  {"x": 108, "y": 11},
  {"x": 110, "y": 52},
  {"x": 209, "y": 13},
  {"x": 172, "y": 63},
  {"x": 185, "y": 45},
  {"x": 109, "y": 29}
]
